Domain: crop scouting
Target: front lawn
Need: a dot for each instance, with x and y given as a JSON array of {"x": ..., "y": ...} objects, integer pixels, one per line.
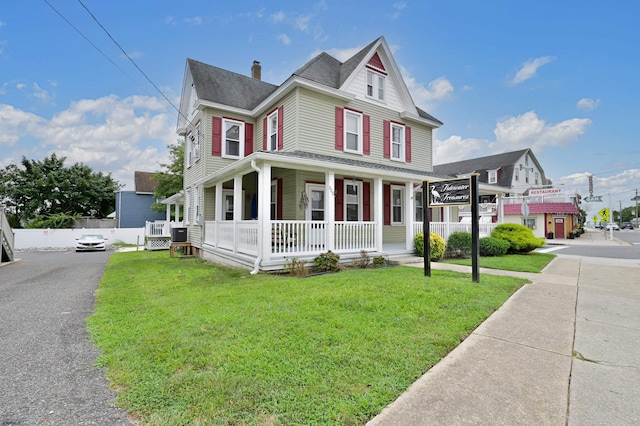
[
  {"x": 530, "y": 262},
  {"x": 187, "y": 342}
]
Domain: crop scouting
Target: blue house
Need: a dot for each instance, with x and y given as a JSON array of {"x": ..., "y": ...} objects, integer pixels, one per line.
[{"x": 133, "y": 208}]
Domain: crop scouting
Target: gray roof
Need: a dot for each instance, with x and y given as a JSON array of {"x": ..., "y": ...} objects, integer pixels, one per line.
[
  {"x": 505, "y": 161},
  {"x": 347, "y": 162},
  {"x": 228, "y": 88}
]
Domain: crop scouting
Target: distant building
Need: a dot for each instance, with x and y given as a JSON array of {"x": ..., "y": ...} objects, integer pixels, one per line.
[{"x": 133, "y": 208}]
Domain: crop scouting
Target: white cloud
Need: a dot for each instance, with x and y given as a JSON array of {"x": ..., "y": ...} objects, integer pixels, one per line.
[
  {"x": 196, "y": 20},
  {"x": 398, "y": 7},
  {"x": 302, "y": 22},
  {"x": 41, "y": 94},
  {"x": 455, "y": 148},
  {"x": 530, "y": 68},
  {"x": 512, "y": 133},
  {"x": 530, "y": 131},
  {"x": 108, "y": 134},
  {"x": 437, "y": 90},
  {"x": 278, "y": 16},
  {"x": 170, "y": 20},
  {"x": 20, "y": 86},
  {"x": 588, "y": 104},
  {"x": 284, "y": 39}
]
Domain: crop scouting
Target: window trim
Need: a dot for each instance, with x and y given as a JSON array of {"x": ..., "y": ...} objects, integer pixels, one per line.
[
  {"x": 416, "y": 207},
  {"x": 402, "y": 143},
  {"x": 492, "y": 176},
  {"x": 401, "y": 205},
  {"x": 273, "y": 205},
  {"x": 360, "y": 203},
  {"x": 241, "y": 139},
  {"x": 360, "y": 130},
  {"x": 377, "y": 85},
  {"x": 272, "y": 131}
]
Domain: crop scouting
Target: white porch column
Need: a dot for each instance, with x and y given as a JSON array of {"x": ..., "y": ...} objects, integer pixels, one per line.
[
  {"x": 168, "y": 213},
  {"x": 378, "y": 212},
  {"x": 500, "y": 208},
  {"x": 447, "y": 220},
  {"x": 219, "y": 213},
  {"x": 408, "y": 215},
  {"x": 264, "y": 210},
  {"x": 330, "y": 207},
  {"x": 237, "y": 209},
  {"x": 177, "y": 212}
]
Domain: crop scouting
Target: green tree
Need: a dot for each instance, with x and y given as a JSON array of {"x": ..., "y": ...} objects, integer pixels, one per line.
[
  {"x": 34, "y": 191},
  {"x": 169, "y": 181}
]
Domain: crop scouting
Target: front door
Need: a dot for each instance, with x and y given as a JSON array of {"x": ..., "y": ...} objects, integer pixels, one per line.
[
  {"x": 559, "y": 227},
  {"x": 315, "y": 212}
]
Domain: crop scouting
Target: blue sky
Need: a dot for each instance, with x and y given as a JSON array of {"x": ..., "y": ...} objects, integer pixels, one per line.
[{"x": 560, "y": 77}]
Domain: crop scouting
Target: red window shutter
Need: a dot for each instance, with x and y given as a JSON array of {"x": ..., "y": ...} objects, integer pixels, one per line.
[
  {"x": 366, "y": 201},
  {"x": 339, "y": 128},
  {"x": 280, "y": 128},
  {"x": 386, "y": 137},
  {"x": 339, "y": 199},
  {"x": 366, "y": 137},
  {"x": 248, "y": 139},
  {"x": 264, "y": 134},
  {"x": 216, "y": 145},
  {"x": 279, "y": 199},
  {"x": 407, "y": 143},
  {"x": 386, "y": 195}
]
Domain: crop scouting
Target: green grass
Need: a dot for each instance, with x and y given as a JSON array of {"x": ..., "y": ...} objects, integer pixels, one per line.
[
  {"x": 186, "y": 342},
  {"x": 531, "y": 262}
]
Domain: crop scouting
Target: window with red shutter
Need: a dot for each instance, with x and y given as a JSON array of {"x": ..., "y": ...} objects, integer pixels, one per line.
[
  {"x": 339, "y": 128},
  {"x": 216, "y": 148},
  {"x": 386, "y": 138}
]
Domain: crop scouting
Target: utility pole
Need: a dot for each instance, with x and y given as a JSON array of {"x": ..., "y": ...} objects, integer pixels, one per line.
[{"x": 620, "y": 212}]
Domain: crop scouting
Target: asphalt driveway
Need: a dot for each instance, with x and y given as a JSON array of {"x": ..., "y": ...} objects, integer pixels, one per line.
[{"x": 47, "y": 371}]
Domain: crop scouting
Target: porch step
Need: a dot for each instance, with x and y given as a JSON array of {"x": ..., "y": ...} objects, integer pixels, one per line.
[{"x": 404, "y": 259}]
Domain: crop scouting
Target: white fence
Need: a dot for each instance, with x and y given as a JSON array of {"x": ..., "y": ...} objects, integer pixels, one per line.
[{"x": 66, "y": 238}]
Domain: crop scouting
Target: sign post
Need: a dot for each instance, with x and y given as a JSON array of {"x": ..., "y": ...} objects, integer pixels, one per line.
[{"x": 448, "y": 193}]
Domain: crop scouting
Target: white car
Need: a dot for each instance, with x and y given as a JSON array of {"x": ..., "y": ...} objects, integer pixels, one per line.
[
  {"x": 91, "y": 242},
  {"x": 613, "y": 226}
]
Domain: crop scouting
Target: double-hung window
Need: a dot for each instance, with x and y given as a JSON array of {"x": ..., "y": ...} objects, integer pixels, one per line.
[
  {"x": 196, "y": 142},
  {"x": 352, "y": 131},
  {"x": 419, "y": 209},
  {"x": 352, "y": 201},
  {"x": 189, "y": 148},
  {"x": 375, "y": 85},
  {"x": 274, "y": 200},
  {"x": 397, "y": 142},
  {"x": 397, "y": 197},
  {"x": 493, "y": 176},
  {"x": 233, "y": 144},
  {"x": 272, "y": 131}
]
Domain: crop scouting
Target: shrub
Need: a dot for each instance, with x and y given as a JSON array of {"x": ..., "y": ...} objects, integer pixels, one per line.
[
  {"x": 327, "y": 262},
  {"x": 520, "y": 238},
  {"x": 379, "y": 261},
  {"x": 459, "y": 244},
  {"x": 295, "y": 267},
  {"x": 436, "y": 245},
  {"x": 490, "y": 246},
  {"x": 363, "y": 261}
]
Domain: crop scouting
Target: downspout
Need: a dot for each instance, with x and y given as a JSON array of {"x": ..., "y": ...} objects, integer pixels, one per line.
[{"x": 256, "y": 264}]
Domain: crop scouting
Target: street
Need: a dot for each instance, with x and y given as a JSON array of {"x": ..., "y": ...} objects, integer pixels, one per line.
[{"x": 629, "y": 249}]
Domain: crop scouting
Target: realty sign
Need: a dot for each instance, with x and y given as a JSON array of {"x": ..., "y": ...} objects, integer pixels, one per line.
[{"x": 455, "y": 192}]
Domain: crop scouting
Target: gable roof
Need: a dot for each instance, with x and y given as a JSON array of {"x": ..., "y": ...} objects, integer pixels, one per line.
[
  {"x": 490, "y": 162},
  {"x": 225, "y": 87},
  {"x": 144, "y": 182}
]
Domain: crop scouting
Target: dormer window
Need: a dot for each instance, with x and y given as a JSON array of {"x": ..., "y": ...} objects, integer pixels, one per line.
[
  {"x": 375, "y": 85},
  {"x": 493, "y": 176}
]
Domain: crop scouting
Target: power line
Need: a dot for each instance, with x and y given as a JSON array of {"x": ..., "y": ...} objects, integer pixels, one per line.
[
  {"x": 129, "y": 58},
  {"x": 91, "y": 43}
]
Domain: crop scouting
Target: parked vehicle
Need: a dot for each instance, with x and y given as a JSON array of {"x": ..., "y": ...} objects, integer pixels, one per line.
[
  {"x": 626, "y": 225},
  {"x": 91, "y": 242},
  {"x": 613, "y": 226}
]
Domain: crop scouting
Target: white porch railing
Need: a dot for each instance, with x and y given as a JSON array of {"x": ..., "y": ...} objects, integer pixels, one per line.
[
  {"x": 299, "y": 237},
  {"x": 160, "y": 228},
  {"x": 445, "y": 229}
]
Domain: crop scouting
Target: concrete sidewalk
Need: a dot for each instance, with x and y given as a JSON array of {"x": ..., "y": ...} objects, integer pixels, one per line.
[{"x": 563, "y": 350}]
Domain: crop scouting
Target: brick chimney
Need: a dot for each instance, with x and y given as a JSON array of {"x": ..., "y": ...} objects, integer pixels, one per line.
[{"x": 256, "y": 70}]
